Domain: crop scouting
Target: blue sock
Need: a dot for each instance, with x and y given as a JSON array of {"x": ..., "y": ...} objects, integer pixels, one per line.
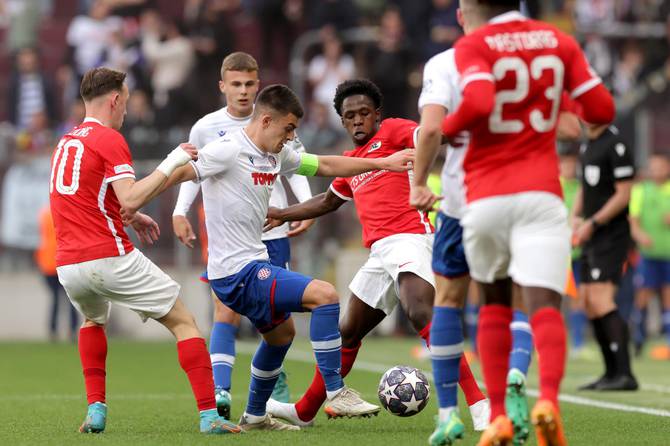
[
  {"x": 222, "y": 353},
  {"x": 265, "y": 369},
  {"x": 639, "y": 320},
  {"x": 666, "y": 325},
  {"x": 578, "y": 321},
  {"x": 471, "y": 321},
  {"x": 446, "y": 349},
  {"x": 522, "y": 342},
  {"x": 324, "y": 332}
]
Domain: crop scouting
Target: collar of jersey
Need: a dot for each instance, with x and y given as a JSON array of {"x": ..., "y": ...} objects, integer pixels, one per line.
[
  {"x": 509, "y": 16},
  {"x": 89, "y": 119},
  {"x": 252, "y": 144},
  {"x": 235, "y": 118}
]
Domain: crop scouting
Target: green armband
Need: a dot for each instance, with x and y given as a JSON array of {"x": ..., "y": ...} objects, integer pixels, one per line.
[{"x": 309, "y": 164}]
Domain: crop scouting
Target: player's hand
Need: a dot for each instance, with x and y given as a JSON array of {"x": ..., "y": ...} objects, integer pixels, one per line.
[
  {"x": 399, "y": 162},
  {"x": 298, "y": 227},
  {"x": 422, "y": 198},
  {"x": 146, "y": 228},
  {"x": 127, "y": 216},
  {"x": 583, "y": 233},
  {"x": 183, "y": 230},
  {"x": 273, "y": 219},
  {"x": 644, "y": 240},
  {"x": 190, "y": 149}
]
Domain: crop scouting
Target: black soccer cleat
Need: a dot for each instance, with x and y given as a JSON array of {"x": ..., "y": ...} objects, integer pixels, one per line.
[{"x": 618, "y": 383}]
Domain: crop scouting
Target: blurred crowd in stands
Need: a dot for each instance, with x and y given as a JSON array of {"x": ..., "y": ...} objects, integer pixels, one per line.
[{"x": 172, "y": 51}]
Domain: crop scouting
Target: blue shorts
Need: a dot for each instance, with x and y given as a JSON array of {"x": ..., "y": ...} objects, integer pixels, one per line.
[
  {"x": 448, "y": 252},
  {"x": 264, "y": 293},
  {"x": 652, "y": 273},
  {"x": 279, "y": 251}
]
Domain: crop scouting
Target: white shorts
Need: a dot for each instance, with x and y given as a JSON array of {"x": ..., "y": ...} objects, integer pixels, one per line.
[
  {"x": 131, "y": 281},
  {"x": 390, "y": 256},
  {"x": 524, "y": 236}
]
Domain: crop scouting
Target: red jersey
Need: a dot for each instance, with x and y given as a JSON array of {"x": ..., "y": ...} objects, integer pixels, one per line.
[
  {"x": 382, "y": 197},
  {"x": 530, "y": 63},
  {"x": 85, "y": 209}
]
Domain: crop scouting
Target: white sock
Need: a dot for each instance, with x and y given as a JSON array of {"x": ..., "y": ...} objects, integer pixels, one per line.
[
  {"x": 330, "y": 395},
  {"x": 444, "y": 412},
  {"x": 253, "y": 419}
]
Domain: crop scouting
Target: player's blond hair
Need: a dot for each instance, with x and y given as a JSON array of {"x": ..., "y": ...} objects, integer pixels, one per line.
[{"x": 238, "y": 61}]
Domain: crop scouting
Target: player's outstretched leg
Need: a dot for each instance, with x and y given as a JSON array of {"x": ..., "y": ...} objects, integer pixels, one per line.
[
  {"x": 516, "y": 404},
  {"x": 93, "y": 355}
]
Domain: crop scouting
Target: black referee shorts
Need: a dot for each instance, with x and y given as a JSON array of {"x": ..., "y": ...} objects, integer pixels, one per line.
[{"x": 604, "y": 256}]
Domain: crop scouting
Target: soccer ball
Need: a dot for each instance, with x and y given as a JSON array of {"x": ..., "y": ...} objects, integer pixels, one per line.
[{"x": 404, "y": 391}]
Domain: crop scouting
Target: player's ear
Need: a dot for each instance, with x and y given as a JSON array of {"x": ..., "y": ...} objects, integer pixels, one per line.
[
  {"x": 222, "y": 86},
  {"x": 459, "y": 18},
  {"x": 378, "y": 115}
]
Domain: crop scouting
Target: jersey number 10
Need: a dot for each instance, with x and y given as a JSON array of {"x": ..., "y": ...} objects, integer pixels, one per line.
[
  {"x": 60, "y": 162},
  {"x": 553, "y": 93}
]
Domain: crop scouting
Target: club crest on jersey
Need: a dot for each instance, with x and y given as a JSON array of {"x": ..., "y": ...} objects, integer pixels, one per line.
[
  {"x": 592, "y": 175},
  {"x": 264, "y": 273},
  {"x": 376, "y": 145},
  {"x": 272, "y": 160}
]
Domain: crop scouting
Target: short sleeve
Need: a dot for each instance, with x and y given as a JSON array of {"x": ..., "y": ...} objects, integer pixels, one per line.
[
  {"x": 401, "y": 133},
  {"x": 435, "y": 89},
  {"x": 471, "y": 63},
  {"x": 621, "y": 159},
  {"x": 194, "y": 136},
  {"x": 579, "y": 76},
  {"x": 341, "y": 188},
  {"x": 635, "y": 205},
  {"x": 289, "y": 160},
  {"x": 215, "y": 158},
  {"x": 116, "y": 157}
]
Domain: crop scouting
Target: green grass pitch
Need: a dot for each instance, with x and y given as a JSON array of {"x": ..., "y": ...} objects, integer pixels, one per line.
[{"x": 42, "y": 400}]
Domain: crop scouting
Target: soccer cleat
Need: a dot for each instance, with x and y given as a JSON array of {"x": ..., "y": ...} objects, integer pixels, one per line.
[
  {"x": 212, "y": 423},
  {"x": 499, "y": 433},
  {"x": 548, "y": 424},
  {"x": 96, "y": 418},
  {"x": 268, "y": 423},
  {"x": 348, "y": 403},
  {"x": 281, "y": 392},
  {"x": 516, "y": 405},
  {"x": 448, "y": 432},
  {"x": 223, "y": 402},
  {"x": 593, "y": 385},
  {"x": 480, "y": 413},
  {"x": 287, "y": 412},
  {"x": 620, "y": 382}
]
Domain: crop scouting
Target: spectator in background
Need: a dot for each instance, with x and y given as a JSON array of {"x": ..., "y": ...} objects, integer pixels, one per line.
[
  {"x": 171, "y": 59},
  {"x": 318, "y": 133},
  {"x": 327, "y": 70},
  {"x": 416, "y": 16},
  {"x": 30, "y": 91},
  {"x": 37, "y": 139},
  {"x": 279, "y": 22},
  {"x": 650, "y": 226},
  {"x": 75, "y": 116},
  {"x": 340, "y": 14},
  {"x": 139, "y": 127},
  {"x": 45, "y": 257},
  {"x": 627, "y": 68},
  {"x": 389, "y": 63},
  {"x": 444, "y": 28}
]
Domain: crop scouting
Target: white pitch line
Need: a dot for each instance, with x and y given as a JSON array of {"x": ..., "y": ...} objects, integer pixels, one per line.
[{"x": 303, "y": 356}]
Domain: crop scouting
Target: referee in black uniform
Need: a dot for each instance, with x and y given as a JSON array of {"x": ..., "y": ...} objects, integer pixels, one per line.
[{"x": 601, "y": 227}]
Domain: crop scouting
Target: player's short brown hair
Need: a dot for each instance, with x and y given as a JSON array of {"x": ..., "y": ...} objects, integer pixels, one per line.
[
  {"x": 280, "y": 99},
  {"x": 238, "y": 61},
  {"x": 100, "y": 81}
]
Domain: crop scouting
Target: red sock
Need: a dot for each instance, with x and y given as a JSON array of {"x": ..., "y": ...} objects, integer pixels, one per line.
[
  {"x": 308, "y": 406},
  {"x": 549, "y": 336},
  {"x": 494, "y": 342},
  {"x": 425, "y": 334},
  {"x": 93, "y": 354},
  {"x": 194, "y": 359},
  {"x": 468, "y": 383}
]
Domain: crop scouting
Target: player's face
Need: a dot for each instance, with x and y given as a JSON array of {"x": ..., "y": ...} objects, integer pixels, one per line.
[
  {"x": 360, "y": 118},
  {"x": 659, "y": 168},
  {"x": 119, "y": 101},
  {"x": 278, "y": 130},
  {"x": 240, "y": 88}
]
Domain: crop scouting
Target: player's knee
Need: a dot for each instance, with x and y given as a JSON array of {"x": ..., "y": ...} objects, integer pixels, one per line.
[
  {"x": 224, "y": 314},
  {"x": 322, "y": 293},
  {"x": 419, "y": 315}
]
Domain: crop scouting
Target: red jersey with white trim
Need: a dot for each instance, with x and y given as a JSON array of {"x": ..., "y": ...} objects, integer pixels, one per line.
[
  {"x": 530, "y": 64},
  {"x": 85, "y": 209},
  {"x": 382, "y": 197}
]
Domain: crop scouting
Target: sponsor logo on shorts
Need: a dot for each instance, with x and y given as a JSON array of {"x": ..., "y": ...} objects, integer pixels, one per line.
[
  {"x": 264, "y": 273},
  {"x": 595, "y": 273},
  {"x": 404, "y": 264}
]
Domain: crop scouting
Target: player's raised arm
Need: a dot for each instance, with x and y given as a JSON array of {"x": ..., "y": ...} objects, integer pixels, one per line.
[
  {"x": 344, "y": 166},
  {"x": 314, "y": 207}
]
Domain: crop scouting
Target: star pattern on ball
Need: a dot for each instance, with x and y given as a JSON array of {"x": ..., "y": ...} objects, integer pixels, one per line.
[
  {"x": 412, "y": 378},
  {"x": 412, "y": 405},
  {"x": 389, "y": 392}
]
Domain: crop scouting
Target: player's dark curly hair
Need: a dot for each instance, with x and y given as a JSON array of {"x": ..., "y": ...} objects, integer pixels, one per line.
[{"x": 354, "y": 87}]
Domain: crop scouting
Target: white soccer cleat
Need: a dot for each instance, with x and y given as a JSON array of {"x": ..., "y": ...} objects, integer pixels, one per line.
[
  {"x": 348, "y": 403},
  {"x": 480, "y": 413},
  {"x": 287, "y": 412},
  {"x": 268, "y": 423}
]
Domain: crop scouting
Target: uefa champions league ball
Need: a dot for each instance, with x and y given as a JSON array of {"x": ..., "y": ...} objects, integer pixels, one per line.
[{"x": 404, "y": 391}]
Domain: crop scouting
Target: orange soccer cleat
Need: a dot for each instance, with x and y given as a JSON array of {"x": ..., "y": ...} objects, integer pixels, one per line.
[
  {"x": 548, "y": 425},
  {"x": 499, "y": 433}
]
